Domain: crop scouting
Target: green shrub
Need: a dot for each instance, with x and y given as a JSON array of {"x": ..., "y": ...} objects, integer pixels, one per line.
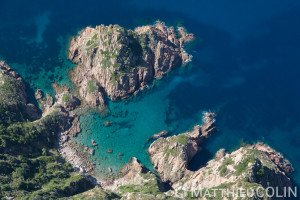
[
  {"x": 92, "y": 87},
  {"x": 182, "y": 139},
  {"x": 66, "y": 97},
  {"x": 243, "y": 165}
]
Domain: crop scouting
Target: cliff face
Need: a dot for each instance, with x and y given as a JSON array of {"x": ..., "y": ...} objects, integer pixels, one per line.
[
  {"x": 14, "y": 106},
  {"x": 120, "y": 62},
  {"x": 247, "y": 167},
  {"x": 134, "y": 182},
  {"x": 179, "y": 150}
]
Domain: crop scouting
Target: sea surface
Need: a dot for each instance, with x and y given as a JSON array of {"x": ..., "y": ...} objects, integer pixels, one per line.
[{"x": 246, "y": 68}]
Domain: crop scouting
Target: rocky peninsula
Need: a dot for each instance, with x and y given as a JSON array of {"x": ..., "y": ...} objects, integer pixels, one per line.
[{"x": 117, "y": 62}]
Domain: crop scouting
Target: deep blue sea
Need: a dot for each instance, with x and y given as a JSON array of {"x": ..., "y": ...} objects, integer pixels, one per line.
[{"x": 246, "y": 68}]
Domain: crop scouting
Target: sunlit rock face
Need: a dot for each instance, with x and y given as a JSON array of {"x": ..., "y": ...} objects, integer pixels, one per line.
[{"x": 120, "y": 62}]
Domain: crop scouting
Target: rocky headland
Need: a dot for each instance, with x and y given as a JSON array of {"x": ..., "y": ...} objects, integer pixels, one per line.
[
  {"x": 117, "y": 62},
  {"x": 249, "y": 167}
]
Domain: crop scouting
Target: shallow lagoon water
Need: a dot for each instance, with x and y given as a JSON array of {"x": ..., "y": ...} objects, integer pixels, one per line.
[{"x": 245, "y": 67}]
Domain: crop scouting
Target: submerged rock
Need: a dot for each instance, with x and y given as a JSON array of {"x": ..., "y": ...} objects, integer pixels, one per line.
[
  {"x": 108, "y": 123},
  {"x": 91, "y": 151},
  {"x": 94, "y": 143},
  {"x": 109, "y": 150}
]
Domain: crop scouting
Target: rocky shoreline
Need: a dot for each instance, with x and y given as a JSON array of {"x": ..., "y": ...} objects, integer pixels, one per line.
[
  {"x": 89, "y": 74},
  {"x": 116, "y": 63},
  {"x": 171, "y": 155}
]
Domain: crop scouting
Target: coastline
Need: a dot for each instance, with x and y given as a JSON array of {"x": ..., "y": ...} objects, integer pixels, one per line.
[{"x": 170, "y": 155}]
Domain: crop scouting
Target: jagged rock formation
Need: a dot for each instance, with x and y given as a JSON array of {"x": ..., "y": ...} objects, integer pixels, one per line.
[
  {"x": 249, "y": 167},
  {"x": 75, "y": 154},
  {"x": 120, "y": 62},
  {"x": 246, "y": 165},
  {"x": 14, "y": 105},
  {"x": 277, "y": 158},
  {"x": 134, "y": 182},
  {"x": 158, "y": 135},
  {"x": 135, "y": 177},
  {"x": 179, "y": 150}
]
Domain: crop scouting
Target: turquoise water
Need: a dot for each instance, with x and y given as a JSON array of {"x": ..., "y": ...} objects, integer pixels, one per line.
[
  {"x": 134, "y": 121},
  {"x": 245, "y": 67}
]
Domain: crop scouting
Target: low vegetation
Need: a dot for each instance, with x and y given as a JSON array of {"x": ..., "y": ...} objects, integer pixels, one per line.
[
  {"x": 182, "y": 139},
  {"x": 243, "y": 165},
  {"x": 223, "y": 168},
  {"x": 92, "y": 87},
  {"x": 30, "y": 167}
]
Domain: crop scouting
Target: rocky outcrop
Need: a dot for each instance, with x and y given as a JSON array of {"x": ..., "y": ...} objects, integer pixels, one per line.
[
  {"x": 276, "y": 157},
  {"x": 74, "y": 153},
  {"x": 136, "y": 182},
  {"x": 248, "y": 167},
  {"x": 121, "y": 62},
  {"x": 45, "y": 103},
  {"x": 66, "y": 98},
  {"x": 158, "y": 135},
  {"x": 179, "y": 150},
  {"x": 14, "y": 105},
  {"x": 94, "y": 143},
  {"x": 134, "y": 173}
]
